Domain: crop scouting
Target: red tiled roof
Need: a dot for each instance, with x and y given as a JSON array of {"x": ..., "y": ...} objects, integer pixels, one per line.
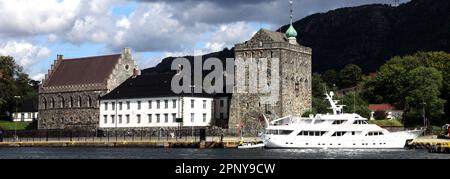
[
  {"x": 381, "y": 107},
  {"x": 88, "y": 70}
]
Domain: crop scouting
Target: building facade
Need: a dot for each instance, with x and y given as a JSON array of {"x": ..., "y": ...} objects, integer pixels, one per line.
[
  {"x": 27, "y": 111},
  {"x": 294, "y": 80},
  {"x": 70, "y": 93},
  {"x": 156, "y": 112},
  {"x": 147, "y": 101}
]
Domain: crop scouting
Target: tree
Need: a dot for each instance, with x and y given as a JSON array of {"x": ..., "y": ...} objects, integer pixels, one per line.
[
  {"x": 350, "y": 76},
  {"x": 330, "y": 77},
  {"x": 379, "y": 115},
  {"x": 13, "y": 82},
  {"x": 424, "y": 84},
  {"x": 354, "y": 103},
  {"x": 411, "y": 81},
  {"x": 317, "y": 85}
]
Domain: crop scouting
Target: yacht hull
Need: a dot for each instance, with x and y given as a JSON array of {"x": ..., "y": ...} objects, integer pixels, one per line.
[{"x": 395, "y": 140}]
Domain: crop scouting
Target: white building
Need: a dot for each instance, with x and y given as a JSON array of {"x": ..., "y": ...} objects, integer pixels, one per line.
[
  {"x": 391, "y": 111},
  {"x": 27, "y": 111},
  {"x": 148, "y": 101}
]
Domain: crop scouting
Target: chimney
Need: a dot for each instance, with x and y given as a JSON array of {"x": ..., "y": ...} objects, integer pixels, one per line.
[
  {"x": 136, "y": 73},
  {"x": 59, "y": 57},
  {"x": 127, "y": 51}
]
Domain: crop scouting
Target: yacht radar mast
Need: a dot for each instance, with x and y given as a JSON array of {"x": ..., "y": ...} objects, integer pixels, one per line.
[{"x": 337, "y": 109}]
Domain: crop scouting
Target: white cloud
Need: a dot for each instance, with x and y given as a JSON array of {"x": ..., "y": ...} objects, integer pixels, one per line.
[
  {"x": 227, "y": 35},
  {"x": 30, "y": 17},
  {"x": 25, "y": 54},
  {"x": 123, "y": 23},
  {"x": 38, "y": 77}
]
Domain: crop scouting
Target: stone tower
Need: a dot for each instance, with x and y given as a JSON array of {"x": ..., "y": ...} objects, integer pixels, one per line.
[{"x": 294, "y": 80}]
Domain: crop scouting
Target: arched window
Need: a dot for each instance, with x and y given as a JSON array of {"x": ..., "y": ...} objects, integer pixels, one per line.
[
  {"x": 53, "y": 103},
  {"x": 44, "y": 103},
  {"x": 71, "y": 102},
  {"x": 62, "y": 102},
  {"x": 79, "y": 102},
  {"x": 89, "y": 102}
]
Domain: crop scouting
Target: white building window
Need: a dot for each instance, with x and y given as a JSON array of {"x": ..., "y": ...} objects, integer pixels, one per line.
[
  {"x": 106, "y": 106},
  {"x": 193, "y": 103},
  {"x": 128, "y": 118},
  {"x": 204, "y": 104},
  {"x": 105, "y": 119},
  {"x": 166, "y": 104},
  {"x": 149, "y": 118},
  {"x": 174, "y": 104},
  {"x": 139, "y": 105},
  {"x": 150, "y": 104},
  {"x": 128, "y": 105},
  {"x": 174, "y": 117},
  {"x": 138, "y": 118},
  {"x": 204, "y": 117},
  {"x": 166, "y": 118},
  {"x": 113, "y": 120},
  {"x": 120, "y": 105},
  {"x": 113, "y": 106},
  {"x": 158, "y": 104},
  {"x": 192, "y": 117},
  {"x": 158, "y": 119},
  {"x": 120, "y": 119}
]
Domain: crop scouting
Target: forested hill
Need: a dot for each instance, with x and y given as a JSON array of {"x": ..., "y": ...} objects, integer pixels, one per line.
[
  {"x": 370, "y": 35},
  {"x": 367, "y": 35}
]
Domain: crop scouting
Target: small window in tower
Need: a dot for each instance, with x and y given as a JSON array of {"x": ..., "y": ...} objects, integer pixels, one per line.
[
  {"x": 260, "y": 43},
  {"x": 127, "y": 67}
]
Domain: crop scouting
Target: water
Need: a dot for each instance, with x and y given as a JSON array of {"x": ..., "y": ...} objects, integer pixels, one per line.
[{"x": 146, "y": 153}]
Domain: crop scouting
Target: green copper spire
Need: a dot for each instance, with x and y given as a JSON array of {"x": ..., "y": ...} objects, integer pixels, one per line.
[{"x": 291, "y": 33}]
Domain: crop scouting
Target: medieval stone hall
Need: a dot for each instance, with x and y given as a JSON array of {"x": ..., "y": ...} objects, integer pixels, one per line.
[
  {"x": 69, "y": 94},
  {"x": 294, "y": 80}
]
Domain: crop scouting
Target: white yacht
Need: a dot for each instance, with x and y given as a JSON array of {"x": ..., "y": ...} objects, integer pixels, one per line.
[{"x": 337, "y": 130}]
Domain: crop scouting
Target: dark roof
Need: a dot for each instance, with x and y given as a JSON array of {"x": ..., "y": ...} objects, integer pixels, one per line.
[
  {"x": 275, "y": 36},
  {"x": 88, "y": 70},
  {"x": 147, "y": 86},
  {"x": 30, "y": 105},
  {"x": 381, "y": 107}
]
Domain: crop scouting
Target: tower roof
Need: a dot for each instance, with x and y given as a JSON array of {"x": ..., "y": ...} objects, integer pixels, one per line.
[{"x": 291, "y": 32}]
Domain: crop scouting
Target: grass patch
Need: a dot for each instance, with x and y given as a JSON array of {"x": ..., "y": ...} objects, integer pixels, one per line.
[
  {"x": 393, "y": 123},
  {"x": 8, "y": 125}
]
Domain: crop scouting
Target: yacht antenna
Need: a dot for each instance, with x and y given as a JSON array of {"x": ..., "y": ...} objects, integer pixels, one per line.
[{"x": 354, "y": 100}]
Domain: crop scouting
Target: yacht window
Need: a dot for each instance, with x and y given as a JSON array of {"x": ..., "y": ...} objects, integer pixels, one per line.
[
  {"x": 353, "y": 132},
  {"x": 318, "y": 121},
  {"x": 285, "y": 132},
  {"x": 338, "y": 122},
  {"x": 339, "y": 133},
  {"x": 311, "y": 133}
]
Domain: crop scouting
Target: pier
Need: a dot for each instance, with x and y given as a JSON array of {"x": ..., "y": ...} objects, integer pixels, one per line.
[
  {"x": 226, "y": 143},
  {"x": 431, "y": 144}
]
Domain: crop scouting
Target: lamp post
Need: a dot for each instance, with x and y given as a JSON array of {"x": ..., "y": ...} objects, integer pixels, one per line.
[
  {"x": 192, "y": 122},
  {"x": 17, "y": 115},
  {"x": 425, "y": 123}
]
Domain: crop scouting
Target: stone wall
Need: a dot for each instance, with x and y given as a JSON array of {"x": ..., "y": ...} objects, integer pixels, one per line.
[{"x": 80, "y": 109}]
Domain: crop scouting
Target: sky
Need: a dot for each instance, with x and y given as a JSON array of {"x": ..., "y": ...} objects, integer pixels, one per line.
[{"x": 35, "y": 32}]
